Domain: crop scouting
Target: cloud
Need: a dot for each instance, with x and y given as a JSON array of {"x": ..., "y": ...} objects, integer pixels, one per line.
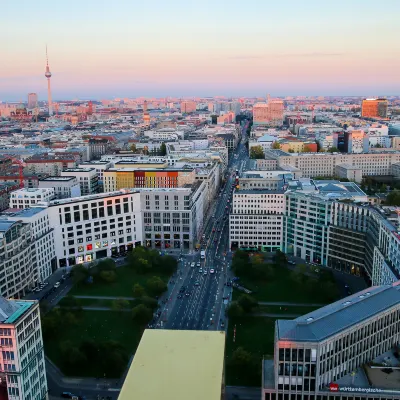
[{"x": 314, "y": 54}]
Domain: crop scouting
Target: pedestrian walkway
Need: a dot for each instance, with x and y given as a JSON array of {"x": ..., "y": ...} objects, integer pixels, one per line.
[
  {"x": 272, "y": 315},
  {"x": 284, "y": 303},
  {"x": 94, "y": 308},
  {"x": 104, "y": 297}
]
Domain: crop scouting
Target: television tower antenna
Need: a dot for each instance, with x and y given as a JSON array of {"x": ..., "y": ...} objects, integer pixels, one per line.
[{"x": 48, "y": 76}]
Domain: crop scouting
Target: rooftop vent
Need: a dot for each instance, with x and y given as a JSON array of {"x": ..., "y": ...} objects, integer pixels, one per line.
[
  {"x": 346, "y": 303},
  {"x": 367, "y": 294},
  {"x": 309, "y": 319},
  {"x": 361, "y": 297}
]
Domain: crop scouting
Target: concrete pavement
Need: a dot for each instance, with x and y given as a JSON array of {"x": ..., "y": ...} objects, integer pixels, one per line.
[{"x": 283, "y": 303}]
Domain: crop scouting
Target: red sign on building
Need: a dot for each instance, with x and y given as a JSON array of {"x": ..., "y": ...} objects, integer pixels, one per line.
[{"x": 333, "y": 387}]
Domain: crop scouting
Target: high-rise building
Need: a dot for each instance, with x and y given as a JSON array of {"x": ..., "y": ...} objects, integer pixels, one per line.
[
  {"x": 345, "y": 350},
  {"x": 146, "y": 115},
  {"x": 270, "y": 113},
  {"x": 32, "y": 100},
  {"x": 356, "y": 142},
  {"x": 22, "y": 366},
  {"x": 48, "y": 76},
  {"x": 374, "y": 108},
  {"x": 188, "y": 106}
]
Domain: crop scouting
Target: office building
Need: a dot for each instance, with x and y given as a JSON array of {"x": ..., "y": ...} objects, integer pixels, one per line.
[
  {"x": 270, "y": 113},
  {"x": 49, "y": 165},
  {"x": 87, "y": 178},
  {"x": 95, "y": 226},
  {"x": 343, "y": 351},
  {"x": 26, "y": 198},
  {"x": 188, "y": 106},
  {"x": 188, "y": 364},
  {"x": 64, "y": 187},
  {"x": 42, "y": 240},
  {"x": 32, "y": 100},
  {"x": 115, "y": 179},
  {"x": 22, "y": 363},
  {"x": 374, "y": 108},
  {"x": 256, "y": 219}
]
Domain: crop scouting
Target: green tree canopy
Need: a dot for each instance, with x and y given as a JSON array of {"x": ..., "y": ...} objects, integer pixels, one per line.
[
  {"x": 393, "y": 198},
  {"x": 138, "y": 290},
  {"x": 132, "y": 147},
  {"x": 142, "y": 314},
  {"x": 257, "y": 152},
  {"x": 247, "y": 302},
  {"x": 276, "y": 145},
  {"x": 156, "y": 286},
  {"x": 163, "y": 149},
  {"x": 234, "y": 310}
]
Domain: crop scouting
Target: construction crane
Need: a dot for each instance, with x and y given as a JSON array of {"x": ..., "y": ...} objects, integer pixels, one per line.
[{"x": 21, "y": 166}]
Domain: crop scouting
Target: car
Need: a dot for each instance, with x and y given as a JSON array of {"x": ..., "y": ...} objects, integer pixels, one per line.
[
  {"x": 182, "y": 289},
  {"x": 205, "y": 272},
  {"x": 213, "y": 230},
  {"x": 219, "y": 230},
  {"x": 187, "y": 294},
  {"x": 197, "y": 283},
  {"x": 198, "y": 263},
  {"x": 192, "y": 264},
  {"x": 292, "y": 262},
  {"x": 212, "y": 270},
  {"x": 200, "y": 270},
  {"x": 57, "y": 285},
  {"x": 180, "y": 296},
  {"x": 222, "y": 324},
  {"x": 67, "y": 395}
]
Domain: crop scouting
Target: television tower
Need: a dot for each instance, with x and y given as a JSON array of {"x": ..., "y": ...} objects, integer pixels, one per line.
[{"x": 48, "y": 76}]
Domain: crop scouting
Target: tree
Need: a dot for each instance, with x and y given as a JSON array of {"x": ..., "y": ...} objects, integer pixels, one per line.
[
  {"x": 291, "y": 150},
  {"x": 132, "y": 148},
  {"x": 108, "y": 276},
  {"x": 256, "y": 152},
  {"x": 138, "y": 290},
  {"x": 89, "y": 349},
  {"x": 142, "y": 314},
  {"x": 156, "y": 286},
  {"x": 169, "y": 264},
  {"x": 296, "y": 276},
  {"x": 393, "y": 198},
  {"x": 378, "y": 146},
  {"x": 163, "y": 149},
  {"x": 241, "y": 263},
  {"x": 70, "y": 319},
  {"x": 120, "y": 305},
  {"x": 106, "y": 265},
  {"x": 280, "y": 257},
  {"x": 333, "y": 150},
  {"x": 79, "y": 274},
  {"x": 247, "y": 302},
  {"x": 70, "y": 302},
  {"x": 330, "y": 290},
  {"x": 234, "y": 310},
  {"x": 44, "y": 307},
  {"x": 383, "y": 188},
  {"x": 149, "y": 302},
  {"x": 241, "y": 358},
  {"x": 276, "y": 145}
]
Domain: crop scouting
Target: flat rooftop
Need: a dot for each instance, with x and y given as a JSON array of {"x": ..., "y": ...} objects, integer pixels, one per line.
[
  {"x": 78, "y": 169},
  {"x": 24, "y": 212},
  {"x": 179, "y": 365},
  {"x": 58, "y": 178},
  {"x": 339, "y": 316}
]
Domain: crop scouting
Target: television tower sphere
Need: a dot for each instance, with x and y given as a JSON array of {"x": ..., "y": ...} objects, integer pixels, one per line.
[{"x": 47, "y": 73}]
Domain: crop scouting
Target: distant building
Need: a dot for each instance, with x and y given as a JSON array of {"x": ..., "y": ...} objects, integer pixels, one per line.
[
  {"x": 27, "y": 198},
  {"x": 87, "y": 178},
  {"x": 64, "y": 186},
  {"x": 32, "y": 100},
  {"x": 356, "y": 142},
  {"x": 188, "y": 107},
  {"x": 374, "y": 108},
  {"x": 22, "y": 364},
  {"x": 270, "y": 113},
  {"x": 159, "y": 353}
]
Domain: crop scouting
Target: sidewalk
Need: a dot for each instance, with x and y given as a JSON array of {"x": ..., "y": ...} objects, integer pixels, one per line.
[
  {"x": 75, "y": 383},
  {"x": 283, "y": 303},
  {"x": 104, "y": 297},
  {"x": 271, "y": 315}
]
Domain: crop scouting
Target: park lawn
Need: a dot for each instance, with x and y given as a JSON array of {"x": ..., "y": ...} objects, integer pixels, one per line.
[
  {"x": 97, "y": 326},
  {"x": 301, "y": 310},
  {"x": 95, "y": 303},
  {"x": 282, "y": 288},
  {"x": 255, "y": 335},
  {"x": 123, "y": 286}
]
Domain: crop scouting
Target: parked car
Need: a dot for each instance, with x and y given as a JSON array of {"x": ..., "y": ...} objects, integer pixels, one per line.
[
  {"x": 57, "y": 285},
  {"x": 67, "y": 395},
  {"x": 212, "y": 270}
]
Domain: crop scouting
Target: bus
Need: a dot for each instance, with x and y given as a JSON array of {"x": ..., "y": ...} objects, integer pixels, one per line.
[{"x": 203, "y": 254}]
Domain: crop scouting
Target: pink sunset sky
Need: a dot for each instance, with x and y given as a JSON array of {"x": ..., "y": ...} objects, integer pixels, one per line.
[{"x": 176, "y": 48}]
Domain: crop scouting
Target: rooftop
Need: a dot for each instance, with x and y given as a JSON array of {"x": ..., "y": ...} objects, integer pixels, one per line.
[
  {"x": 336, "y": 317},
  {"x": 24, "y": 213},
  {"x": 78, "y": 169},
  {"x": 58, "y": 178},
  {"x": 185, "y": 364}
]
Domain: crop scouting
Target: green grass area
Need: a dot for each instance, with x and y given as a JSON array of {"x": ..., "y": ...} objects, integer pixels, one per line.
[
  {"x": 255, "y": 335},
  {"x": 126, "y": 278},
  {"x": 301, "y": 310},
  {"x": 97, "y": 326},
  {"x": 282, "y": 288},
  {"x": 94, "y": 303}
]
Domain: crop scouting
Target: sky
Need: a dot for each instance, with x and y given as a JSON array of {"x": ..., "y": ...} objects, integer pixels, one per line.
[{"x": 129, "y": 48}]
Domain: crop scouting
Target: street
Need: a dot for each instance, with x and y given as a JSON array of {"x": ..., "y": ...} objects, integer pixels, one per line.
[{"x": 197, "y": 299}]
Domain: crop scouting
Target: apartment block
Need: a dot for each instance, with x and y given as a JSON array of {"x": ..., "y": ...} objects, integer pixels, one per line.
[{"x": 49, "y": 165}]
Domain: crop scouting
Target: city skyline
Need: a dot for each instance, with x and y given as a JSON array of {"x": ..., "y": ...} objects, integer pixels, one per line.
[{"x": 209, "y": 49}]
